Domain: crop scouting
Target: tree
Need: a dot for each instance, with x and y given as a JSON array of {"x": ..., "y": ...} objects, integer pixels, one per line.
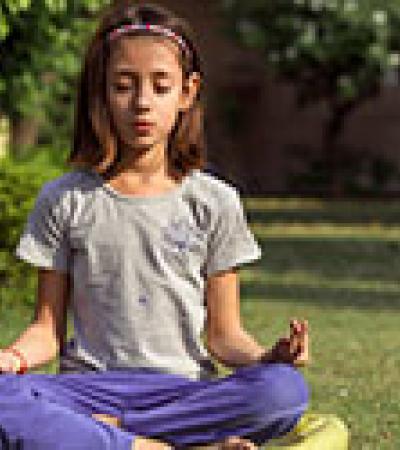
[
  {"x": 333, "y": 50},
  {"x": 41, "y": 43}
]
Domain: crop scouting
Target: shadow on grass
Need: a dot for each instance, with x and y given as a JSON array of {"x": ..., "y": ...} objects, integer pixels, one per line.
[
  {"x": 333, "y": 273},
  {"x": 308, "y": 211},
  {"x": 321, "y": 297}
]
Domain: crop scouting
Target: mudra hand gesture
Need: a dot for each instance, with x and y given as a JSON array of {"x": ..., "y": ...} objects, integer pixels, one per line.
[{"x": 293, "y": 349}]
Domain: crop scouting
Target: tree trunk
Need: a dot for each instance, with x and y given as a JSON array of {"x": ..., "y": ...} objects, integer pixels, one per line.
[
  {"x": 23, "y": 135},
  {"x": 4, "y": 134},
  {"x": 333, "y": 155}
]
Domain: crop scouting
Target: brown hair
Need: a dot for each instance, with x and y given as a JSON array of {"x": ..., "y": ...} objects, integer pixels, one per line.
[{"x": 95, "y": 145}]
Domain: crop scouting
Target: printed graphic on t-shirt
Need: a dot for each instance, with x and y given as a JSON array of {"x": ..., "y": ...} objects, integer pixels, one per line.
[{"x": 182, "y": 243}]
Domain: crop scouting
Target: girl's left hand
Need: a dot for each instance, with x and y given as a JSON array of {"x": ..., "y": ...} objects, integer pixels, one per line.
[
  {"x": 293, "y": 349},
  {"x": 299, "y": 332}
]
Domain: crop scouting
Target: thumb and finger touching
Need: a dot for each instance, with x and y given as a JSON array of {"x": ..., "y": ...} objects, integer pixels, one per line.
[{"x": 299, "y": 338}]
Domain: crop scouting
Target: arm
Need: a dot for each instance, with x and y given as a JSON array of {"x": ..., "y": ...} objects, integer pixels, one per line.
[
  {"x": 226, "y": 339},
  {"x": 43, "y": 338},
  {"x": 231, "y": 344}
]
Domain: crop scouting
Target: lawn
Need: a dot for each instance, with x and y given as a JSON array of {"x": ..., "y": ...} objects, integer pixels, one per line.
[{"x": 337, "y": 264}]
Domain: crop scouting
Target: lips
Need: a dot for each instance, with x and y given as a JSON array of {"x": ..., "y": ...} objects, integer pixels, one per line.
[{"x": 142, "y": 123}]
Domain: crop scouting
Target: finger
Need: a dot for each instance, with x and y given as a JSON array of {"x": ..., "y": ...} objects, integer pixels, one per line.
[
  {"x": 303, "y": 357},
  {"x": 288, "y": 349},
  {"x": 297, "y": 324},
  {"x": 295, "y": 327},
  {"x": 303, "y": 333},
  {"x": 295, "y": 335},
  {"x": 296, "y": 342},
  {"x": 293, "y": 323},
  {"x": 303, "y": 327},
  {"x": 302, "y": 344},
  {"x": 302, "y": 360},
  {"x": 306, "y": 343}
]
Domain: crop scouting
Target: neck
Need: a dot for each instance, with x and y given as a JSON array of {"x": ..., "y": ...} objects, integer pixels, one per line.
[{"x": 140, "y": 167}]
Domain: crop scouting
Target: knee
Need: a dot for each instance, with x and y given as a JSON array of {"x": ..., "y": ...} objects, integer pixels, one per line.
[{"x": 277, "y": 390}]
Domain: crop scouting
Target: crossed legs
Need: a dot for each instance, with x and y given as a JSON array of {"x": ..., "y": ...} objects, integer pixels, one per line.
[{"x": 256, "y": 403}]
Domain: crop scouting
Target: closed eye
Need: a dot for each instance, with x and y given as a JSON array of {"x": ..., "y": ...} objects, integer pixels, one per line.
[
  {"x": 121, "y": 87},
  {"x": 162, "y": 89}
]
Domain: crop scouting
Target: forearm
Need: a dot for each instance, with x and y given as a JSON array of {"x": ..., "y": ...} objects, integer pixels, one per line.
[
  {"x": 38, "y": 345},
  {"x": 240, "y": 349}
]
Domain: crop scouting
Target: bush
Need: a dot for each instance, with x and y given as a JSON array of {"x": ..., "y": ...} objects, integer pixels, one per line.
[{"x": 19, "y": 186}]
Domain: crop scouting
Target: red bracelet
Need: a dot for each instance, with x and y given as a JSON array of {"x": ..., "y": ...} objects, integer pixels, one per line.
[{"x": 23, "y": 362}]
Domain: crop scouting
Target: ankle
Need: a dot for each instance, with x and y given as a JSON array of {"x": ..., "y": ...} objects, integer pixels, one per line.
[{"x": 142, "y": 443}]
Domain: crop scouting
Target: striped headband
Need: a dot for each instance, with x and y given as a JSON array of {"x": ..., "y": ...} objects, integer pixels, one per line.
[{"x": 157, "y": 28}]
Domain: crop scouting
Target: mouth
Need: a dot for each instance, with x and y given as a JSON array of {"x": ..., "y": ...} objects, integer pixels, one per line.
[
  {"x": 142, "y": 123},
  {"x": 142, "y": 127}
]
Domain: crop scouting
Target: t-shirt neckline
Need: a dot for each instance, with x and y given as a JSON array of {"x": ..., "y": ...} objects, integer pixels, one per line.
[{"x": 171, "y": 194}]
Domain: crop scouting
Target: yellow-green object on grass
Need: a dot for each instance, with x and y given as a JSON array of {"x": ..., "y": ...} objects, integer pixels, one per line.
[{"x": 313, "y": 432}]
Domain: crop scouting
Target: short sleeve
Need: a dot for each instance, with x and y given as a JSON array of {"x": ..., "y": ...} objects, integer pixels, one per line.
[
  {"x": 44, "y": 241},
  {"x": 231, "y": 243}
]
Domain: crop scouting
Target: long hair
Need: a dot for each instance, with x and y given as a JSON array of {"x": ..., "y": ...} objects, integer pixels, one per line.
[{"x": 95, "y": 144}]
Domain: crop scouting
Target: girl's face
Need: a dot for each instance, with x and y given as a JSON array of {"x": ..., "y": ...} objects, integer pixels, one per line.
[{"x": 145, "y": 82}]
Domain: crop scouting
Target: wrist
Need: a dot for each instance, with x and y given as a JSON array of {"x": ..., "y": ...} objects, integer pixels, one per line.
[
  {"x": 20, "y": 360},
  {"x": 9, "y": 362},
  {"x": 267, "y": 357}
]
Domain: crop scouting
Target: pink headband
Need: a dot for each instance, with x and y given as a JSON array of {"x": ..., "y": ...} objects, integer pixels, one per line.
[{"x": 157, "y": 28}]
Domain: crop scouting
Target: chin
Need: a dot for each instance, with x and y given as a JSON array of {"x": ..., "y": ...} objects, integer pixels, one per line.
[{"x": 138, "y": 142}]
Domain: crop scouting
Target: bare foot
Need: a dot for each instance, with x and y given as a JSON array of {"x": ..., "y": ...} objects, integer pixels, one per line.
[
  {"x": 236, "y": 443},
  {"x": 145, "y": 443},
  {"x": 142, "y": 443},
  {"x": 111, "y": 420}
]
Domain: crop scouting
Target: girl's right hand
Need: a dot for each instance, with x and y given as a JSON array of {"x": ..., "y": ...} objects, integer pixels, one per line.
[{"x": 8, "y": 362}]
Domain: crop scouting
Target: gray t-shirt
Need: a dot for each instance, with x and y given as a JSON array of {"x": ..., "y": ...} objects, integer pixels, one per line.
[{"x": 138, "y": 266}]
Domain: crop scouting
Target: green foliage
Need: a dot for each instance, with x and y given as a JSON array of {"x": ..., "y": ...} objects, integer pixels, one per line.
[
  {"x": 41, "y": 44},
  {"x": 19, "y": 186},
  {"x": 331, "y": 48},
  {"x": 337, "y": 51}
]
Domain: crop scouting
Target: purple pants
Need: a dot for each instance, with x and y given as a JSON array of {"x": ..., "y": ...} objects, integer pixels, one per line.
[{"x": 53, "y": 411}]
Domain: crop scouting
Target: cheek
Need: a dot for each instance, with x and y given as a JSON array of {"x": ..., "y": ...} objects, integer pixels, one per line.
[
  {"x": 168, "y": 112},
  {"x": 118, "y": 105}
]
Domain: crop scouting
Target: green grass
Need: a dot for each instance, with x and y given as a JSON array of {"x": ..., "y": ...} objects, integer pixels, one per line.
[{"x": 336, "y": 264}]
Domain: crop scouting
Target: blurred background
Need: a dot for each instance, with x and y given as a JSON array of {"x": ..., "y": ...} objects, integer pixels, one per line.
[
  {"x": 302, "y": 95},
  {"x": 303, "y": 115}
]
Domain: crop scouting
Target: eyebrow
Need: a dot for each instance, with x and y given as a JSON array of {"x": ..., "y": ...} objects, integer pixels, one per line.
[{"x": 128, "y": 72}]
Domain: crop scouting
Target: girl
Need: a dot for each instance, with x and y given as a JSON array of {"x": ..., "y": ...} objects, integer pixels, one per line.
[{"x": 132, "y": 240}]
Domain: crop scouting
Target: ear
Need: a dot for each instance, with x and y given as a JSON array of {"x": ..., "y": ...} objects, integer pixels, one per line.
[{"x": 189, "y": 90}]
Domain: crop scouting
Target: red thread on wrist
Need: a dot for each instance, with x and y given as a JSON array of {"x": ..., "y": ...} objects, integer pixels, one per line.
[{"x": 23, "y": 362}]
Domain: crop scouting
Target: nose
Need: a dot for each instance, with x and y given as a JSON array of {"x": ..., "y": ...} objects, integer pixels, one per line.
[{"x": 142, "y": 96}]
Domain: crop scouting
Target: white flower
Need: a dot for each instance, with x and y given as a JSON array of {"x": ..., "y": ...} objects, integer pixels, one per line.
[
  {"x": 309, "y": 34},
  {"x": 343, "y": 392},
  {"x": 246, "y": 27},
  {"x": 345, "y": 81},
  {"x": 331, "y": 4},
  {"x": 291, "y": 52},
  {"x": 379, "y": 17},
  {"x": 375, "y": 50},
  {"x": 394, "y": 59},
  {"x": 274, "y": 57},
  {"x": 317, "y": 5},
  {"x": 350, "y": 6}
]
